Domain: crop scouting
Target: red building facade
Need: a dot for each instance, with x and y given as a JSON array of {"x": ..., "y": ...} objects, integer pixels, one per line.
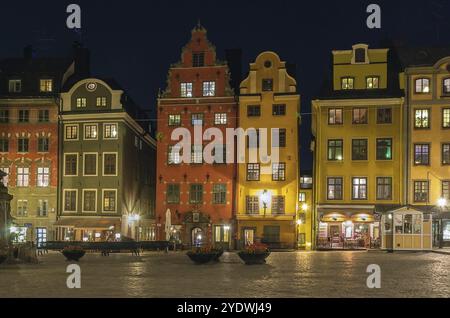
[{"x": 198, "y": 196}]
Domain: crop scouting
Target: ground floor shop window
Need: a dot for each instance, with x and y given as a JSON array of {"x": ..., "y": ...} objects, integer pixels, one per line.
[
  {"x": 41, "y": 236},
  {"x": 446, "y": 230},
  {"x": 221, "y": 234},
  {"x": 271, "y": 234},
  {"x": 408, "y": 224}
]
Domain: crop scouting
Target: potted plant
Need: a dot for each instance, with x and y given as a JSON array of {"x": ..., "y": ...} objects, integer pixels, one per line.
[
  {"x": 254, "y": 254},
  {"x": 73, "y": 253},
  {"x": 203, "y": 255}
]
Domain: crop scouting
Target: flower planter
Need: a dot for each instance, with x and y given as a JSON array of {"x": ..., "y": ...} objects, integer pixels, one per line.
[
  {"x": 253, "y": 258},
  {"x": 73, "y": 255},
  {"x": 218, "y": 253},
  {"x": 3, "y": 258},
  {"x": 202, "y": 258}
]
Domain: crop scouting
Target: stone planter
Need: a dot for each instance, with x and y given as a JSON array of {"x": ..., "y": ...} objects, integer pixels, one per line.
[
  {"x": 203, "y": 258},
  {"x": 73, "y": 255},
  {"x": 218, "y": 253},
  {"x": 253, "y": 258}
]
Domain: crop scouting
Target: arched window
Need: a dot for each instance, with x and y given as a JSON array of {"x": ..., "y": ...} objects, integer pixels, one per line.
[
  {"x": 423, "y": 85},
  {"x": 446, "y": 86}
]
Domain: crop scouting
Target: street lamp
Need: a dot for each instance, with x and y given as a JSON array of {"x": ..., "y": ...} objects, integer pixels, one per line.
[
  {"x": 305, "y": 207},
  {"x": 442, "y": 203},
  {"x": 265, "y": 200}
]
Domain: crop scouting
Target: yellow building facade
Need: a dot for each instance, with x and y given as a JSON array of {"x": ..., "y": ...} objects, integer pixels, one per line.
[
  {"x": 358, "y": 145},
  {"x": 267, "y": 190}
]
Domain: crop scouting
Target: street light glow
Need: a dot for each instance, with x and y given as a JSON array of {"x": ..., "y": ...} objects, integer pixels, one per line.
[{"x": 442, "y": 202}]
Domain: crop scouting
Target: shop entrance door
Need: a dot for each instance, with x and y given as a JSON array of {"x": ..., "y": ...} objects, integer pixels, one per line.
[
  {"x": 335, "y": 236},
  {"x": 249, "y": 237}
]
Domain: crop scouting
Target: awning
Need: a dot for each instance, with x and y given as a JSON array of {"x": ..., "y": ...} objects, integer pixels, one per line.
[{"x": 89, "y": 223}]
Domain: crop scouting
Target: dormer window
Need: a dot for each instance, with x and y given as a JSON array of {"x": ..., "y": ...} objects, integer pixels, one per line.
[
  {"x": 360, "y": 55},
  {"x": 198, "y": 59},
  {"x": 372, "y": 82},
  {"x": 186, "y": 89},
  {"x": 46, "y": 85},
  {"x": 15, "y": 86},
  {"x": 446, "y": 86},
  {"x": 267, "y": 85},
  {"x": 422, "y": 86},
  {"x": 347, "y": 83}
]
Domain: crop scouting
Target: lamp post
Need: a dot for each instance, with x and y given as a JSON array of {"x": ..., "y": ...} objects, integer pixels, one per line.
[
  {"x": 265, "y": 200},
  {"x": 441, "y": 204}
]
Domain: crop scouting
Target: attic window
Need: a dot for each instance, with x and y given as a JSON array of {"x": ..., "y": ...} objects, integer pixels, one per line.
[
  {"x": 360, "y": 55},
  {"x": 198, "y": 59}
]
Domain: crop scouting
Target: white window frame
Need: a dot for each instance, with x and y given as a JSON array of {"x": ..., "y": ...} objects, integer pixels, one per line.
[
  {"x": 17, "y": 177},
  {"x": 209, "y": 88},
  {"x": 78, "y": 164},
  {"x": 187, "y": 90},
  {"x": 23, "y": 214},
  {"x": 100, "y": 101},
  {"x": 117, "y": 131},
  {"x": 42, "y": 174},
  {"x": 41, "y": 205},
  {"x": 64, "y": 200},
  {"x": 103, "y": 164},
  {"x": 103, "y": 201},
  {"x": 82, "y": 102},
  {"x": 84, "y": 131},
  {"x": 96, "y": 200},
  {"x": 219, "y": 119},
  {"x": 43, "y": 82},
  {"x": 14, "y": 82},
  {"x": 65, "y": 132},
  {"x": 84, "y": 166}
]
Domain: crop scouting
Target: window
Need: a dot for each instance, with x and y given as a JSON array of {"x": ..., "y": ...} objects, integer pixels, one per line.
[
  {"x": 278, "y": 206},
  {"x": 334, "y": 188},
  {"x": 252, "y": 204},
  {"x": 81, "y": 102},
  {"x": 22, "y": 207},
  {"x": 335, "y": 116},
  {"x": 42, "y": 208},
  {"x": 4, "y": 145},
  {"x": 24, "y": 116},
  {"x": 15, "y": 86},
  {"x": 198, "y": 59},
  {"x": 384, "y": 188},
  {"x": 43, "y": 144},
  {"x": 196, "y": 154},
  {"x": 90, "y": 164},
  {"x": 446, "y": 154},
  {"x": 175, "y": 120},
  {"x": 109, "y": 200},
  {"x": 220, "y": 119},
  {"x": 89, "y": 201},
  {"x": 209, "y": 88},
  {"x": 408, "y": 224},
  {"x": 46, "y": 85},
  {"x": 446, "y": 86},
  {"x": 43, "y": 116},
  {"x": 197, "y": 119},
  {"x": 271, "y": 234},
  {"x": 43, "y": 176},
  {"x": 186, "y": 90},
  {"x": 421, "y": 154},
  {"x": 71, "y": 132},
  {"x": 70, "y": 200},
  {"x": 421, "y": 191},
  {"x": 279, "y": 171},
  {"x": 422, "y": 118},
  {"x": 359, "y": 149},
  {"x": 422, "y": 86},
  {"x": 359, "y": 188},
  {"x": 22, "y": 144},
  {"x": 90, "y": 132},
  {"x": 174, "y": 155},
  {"x": 347, "y": 83},
  {"x": 222, "y": 234},
  {"x": 267, "y": 85},
  {"x": 4, "y": 116},
  {"x": 100, "y": 101},
  {"x": 359, "y": 116},
  {"x": 110, "y": 131},
  {"x": 446, "y": 189},
  {"x": 219, "y": 194},
  {"x": 173, "y": 194},
  {"x": 384, "y": 116},
  {"x": 360, "y": 55},
  {"x": 220, "y": 153},
  {"x": 109, "y": 164},
  {"x": 279, "y": 110},
  {"x": 71, "y": 164},
  {"x": 253, "y": 110},
  {"x": 302, "y": 197},
  {"x": 372, "y": 82},
  {"x": 23, "y": 176},
  {"x": 335, "y": 150},
  {"x": 196, "y": 194},
  {"x": 384, "y": 149},
  {"x": 6, "y": 178},
  {"x": 253, "y": 172},
  {"x": 446, "y": 118},
  {"x": 282, "y": 137}
]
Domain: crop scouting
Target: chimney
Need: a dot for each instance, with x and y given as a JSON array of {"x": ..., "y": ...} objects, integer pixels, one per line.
[
  {"x": 234, "y": 59},
  {"x": 28, "y": 52},
  {"x": 81, "y": 56}
]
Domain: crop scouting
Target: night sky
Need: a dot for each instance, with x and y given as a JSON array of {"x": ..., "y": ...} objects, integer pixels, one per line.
[{"x": 135, "y": 41}]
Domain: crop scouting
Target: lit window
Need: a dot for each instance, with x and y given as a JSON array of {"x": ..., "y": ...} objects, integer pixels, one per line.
[
  {"x": 209, "y": 88},
  {"x": 446, "y": 154},
  {"x": 335, "y": 150},
  {"x": 90, "y": 132},
  {"x": 279, "y": 171},
  {"x": 71, "y": 132},
  {"x": 174, "y": 155},
  {"x": 186, "y": 90},
  {"x": 252, "y": 204},
  {"x": 446, "y": 118},
  {"x": 197, "y": 119},
  {"x": 446, "y": 189},
  {"x": 422, "y": 118},
  {"x": 220, "y": 119},
  {"x": 302, "y": 197},
  {"x": 372, "y": 82},
  {"x": 81, "y": 102},
  {"x": 175, "y": 120},
  {"x": 109, "y": 201},
  {"x": 422, "y": 86},
  {"x": 359, "y": 188},
  {"x": 219, "y": 193},
  {"x": 42, "y": 209},
  {"x": 360, "y": 116},
  {"x": 43, "y": 176},
  {"x": 15, "y": 86},
  {"x": 334, "y": 188},
  {"x": 253, "y": 172},
  {"x": 22, "y": 207},
  {"x": 421, "y": 154},
  {"x": 384, "y": 149},
  {"x": 100, "y": 101},
  {"x": 347, "y": 83},
  {"x": 23, "y": 176},
  {"x": 46, "y": 85},
  {"x": 446, "y": 86},
  {"x": 110, "y": 131},
  {"x": 335, "y": 116},
  {"x": 421, "y": 191}
]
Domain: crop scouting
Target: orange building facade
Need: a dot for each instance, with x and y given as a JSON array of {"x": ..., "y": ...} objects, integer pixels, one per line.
[{"x": 195, "y": 200}]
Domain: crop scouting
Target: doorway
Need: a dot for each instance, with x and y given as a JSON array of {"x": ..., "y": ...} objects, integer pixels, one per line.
[
  {"x": 249, "y": 236},
  {"x": 197, "y": 236}
]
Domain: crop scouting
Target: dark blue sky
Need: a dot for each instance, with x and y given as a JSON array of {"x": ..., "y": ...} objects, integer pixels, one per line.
[{"x": 135, "y": 41}]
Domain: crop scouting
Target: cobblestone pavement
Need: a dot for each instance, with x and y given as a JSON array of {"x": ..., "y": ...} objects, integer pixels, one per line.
[{"x": 296, "y": 274}]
